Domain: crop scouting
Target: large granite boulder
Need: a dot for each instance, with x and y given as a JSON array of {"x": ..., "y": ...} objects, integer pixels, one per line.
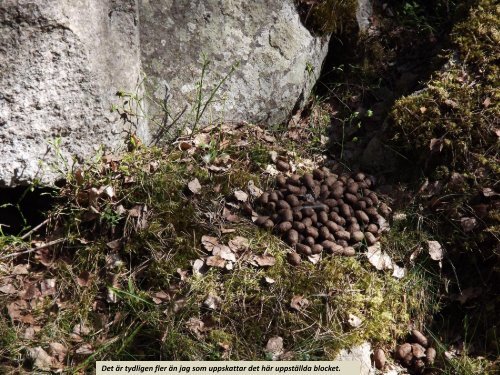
[
  {"x": 278, "y": 58},
  {"x": 61, "y": 63}
]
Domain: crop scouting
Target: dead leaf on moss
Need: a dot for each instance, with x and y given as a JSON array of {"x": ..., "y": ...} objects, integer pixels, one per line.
[
  {"x": 183, "y": 274},
  {"x": 489, "y": 192},
  {"x": 239, "y": 243},
  {"x": 379, "y": 259},
  {"x": 224, "y": 252},
  {"x": 209, "y": 242},
  {"x": 451, "y": 103},
  {"x": 58, "y": 351},
  {"x": 85, "y": 349},
  {"x": 486, "y": 102},
  {"x": 240, "y": 196},
  {"x": 435, "y": 250},
  {"x": 254, "y": 190},
  {"x": 274, "y": 347},
  {"x": 83, "y": 279},
  {"x": 21, "y": 269},
  {"x": 48, "y": 287},
  {"x": 436, "y": 145},
  {"x": 468, "y": 223},
  {"x": 8, "y": 289},
  {"x": 269, "y": 280},
  {"x": 194, "y": 186},
  {"x": 40, "y": 358},
  {"x": 212, "y": 302},
  {"x": 354, "y": 321},
  {"x": 198, "y": 265},
  {"x": 314, "y": 258},
  {"x": 216, "y": 261},
  {"x": 196, "y": 326},
  {"x": 264, "y": 260},
  {"x": 299, "y": 303},
  {"x": 229, "y": 216}
]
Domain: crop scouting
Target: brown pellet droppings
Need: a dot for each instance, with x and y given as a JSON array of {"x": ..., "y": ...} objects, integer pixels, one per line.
[
  {"x": 317, "y": 249},
  {"x": 370, "y": 238},
  {"x": 284, "y": 227},
  {"x": 303, "y": 249},
  {"x": 293, "y": 259}
]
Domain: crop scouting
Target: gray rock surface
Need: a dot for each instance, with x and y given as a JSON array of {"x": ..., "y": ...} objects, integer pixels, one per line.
[
  {"x": 360, "y": 353},
  {"x": 279, "y": 60},
  {"x": 61, "y": 63}
]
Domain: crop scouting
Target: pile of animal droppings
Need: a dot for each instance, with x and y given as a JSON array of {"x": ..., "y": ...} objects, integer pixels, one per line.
[{"x": 323, "y": 211}]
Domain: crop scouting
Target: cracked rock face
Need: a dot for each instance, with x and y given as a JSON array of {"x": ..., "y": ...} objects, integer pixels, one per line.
[
  {"x": 279, "y": 60},
  {"x": 62, "y": 63}
]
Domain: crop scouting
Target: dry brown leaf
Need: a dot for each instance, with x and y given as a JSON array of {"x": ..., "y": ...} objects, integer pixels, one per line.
[
  {"x": 85, "y": 349},
  {"x": 48, "y": 287},
  {"x": 183, "y": 274},
  {"x": 212, "y": 302},
  {"x": 435, "y": 250},
  {"x": 83, "y": 279},
  {"x": 58, "y": 351},
  {"x": 436, "y": 145},
  {"x": 299, "y": 303},
  {"x": 254, "y": 190},
  {"x": 229, "y": 216},
  {"x": 486, "y": 102},
  {"x": 8, "y": 289},
  {"x": 40, "y": 358},
  {"x": 16, "y": 308},
  {"x": 379, "y": 259},
  {"x": 115, "y": 244},
  {"x": 489, "y": 192},
  {"x": 30, "y": 291},
  {"x": 468, "y": 223},
  {"x": 198, "y": 265},
  {"x": 264, "y": 260},
  {"x": 194, "y": 186},
  {"x": 196, "y": 326},
  {"x": 274, "y": 347},
  {"x": 224, "y": 252},
  {"x": 269, "y": 280},
  {"x": 209, "y": 242},
  {"x": 81, "y": 329},
  {"x": 216, "y": 261},
  {"x": 354, "y": 321},
  {"x": 239, "y": 243},
  {"x": 241, "y": 196},
  {"x": 21, "y": 269}
]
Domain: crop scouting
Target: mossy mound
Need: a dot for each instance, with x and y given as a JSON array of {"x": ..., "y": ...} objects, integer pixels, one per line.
[
  {"x": 127, "y": 289},
  {"x": 450, "y": 132},
  {"x": 325, "y": 17}
]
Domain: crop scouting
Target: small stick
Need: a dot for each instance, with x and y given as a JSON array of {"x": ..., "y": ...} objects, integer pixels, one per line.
[
  {"x": 35, "y": 229},
  {"x": 48, "y": 244}
]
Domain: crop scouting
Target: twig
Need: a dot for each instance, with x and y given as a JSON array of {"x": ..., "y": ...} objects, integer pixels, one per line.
[
  {"x": 7, "y": 248},
  {"x": 35, "y": 229},
  {"x": 48, "y": 244}
]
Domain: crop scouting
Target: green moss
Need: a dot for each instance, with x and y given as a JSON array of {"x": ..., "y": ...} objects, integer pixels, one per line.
[{"x": 328, "y": 16}]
